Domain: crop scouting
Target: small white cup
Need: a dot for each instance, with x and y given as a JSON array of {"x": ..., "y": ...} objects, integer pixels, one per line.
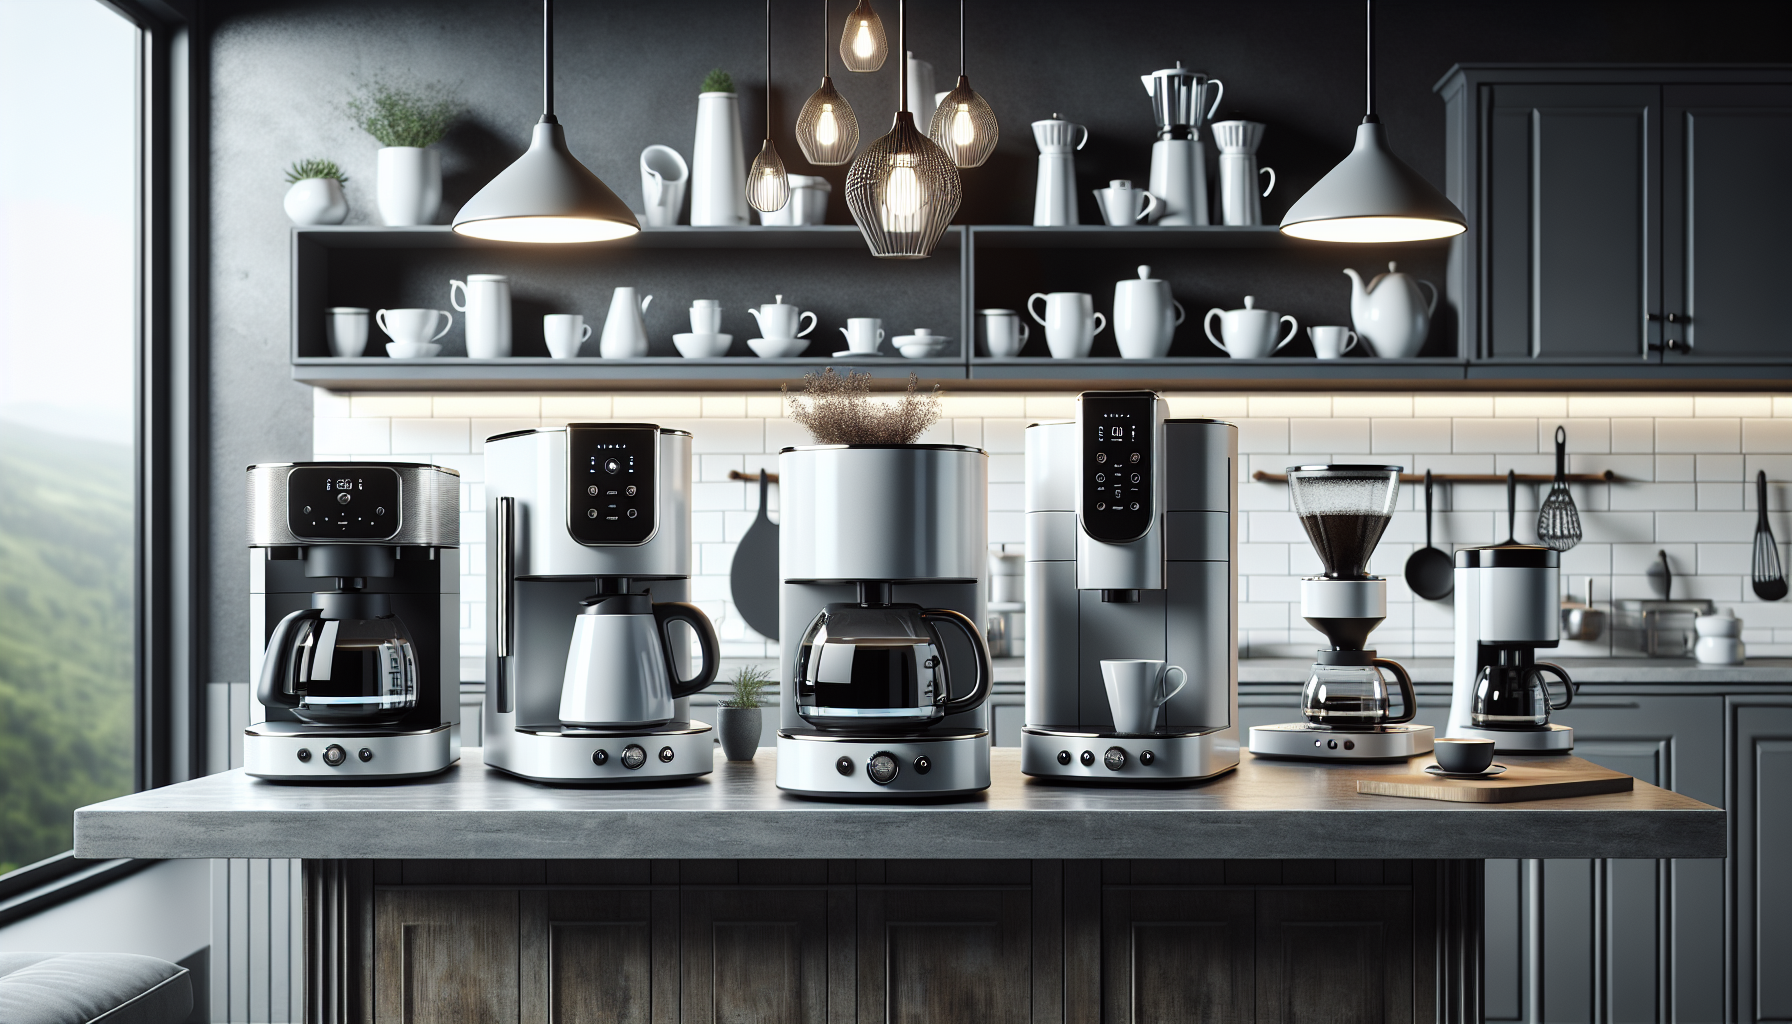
[
  {"x": 413, "y": 326},
  {"x": 863, "y": 333},
  {"x": 347, "y": 329},
  {"x": 1136, "y": 690},
  {"x": 1331, "y": 342},
  {"x": 564, "y": 333},
  {"x": 1004, "y": 332},
  {"x": 706, "y": 317}
]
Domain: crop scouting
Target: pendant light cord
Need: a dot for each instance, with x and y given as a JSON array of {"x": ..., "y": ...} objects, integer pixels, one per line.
[
  {"x": 961, "y": 38},
  {"x": 824, "y": 38},
  {"x": 1369, "y": 60},
  {"x": 901, "y": 56},
  {"x": 768, "y": 69},
  {"x": 547, "y": 62}
]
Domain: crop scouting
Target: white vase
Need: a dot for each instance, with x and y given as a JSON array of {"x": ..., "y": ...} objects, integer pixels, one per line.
[
  {"x": 718, "y": 163},
  {"x": 410, "y": 185},
  {"x": 316, "y": 201}
]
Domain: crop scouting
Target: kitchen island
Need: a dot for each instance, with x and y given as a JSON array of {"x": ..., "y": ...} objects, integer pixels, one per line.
[{"x": 1274, "y": 892}]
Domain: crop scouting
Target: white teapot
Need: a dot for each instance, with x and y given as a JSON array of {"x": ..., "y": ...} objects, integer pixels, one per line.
[
  {"x": 1390, "y": 313},
  {"x": 778, "y": 321}
]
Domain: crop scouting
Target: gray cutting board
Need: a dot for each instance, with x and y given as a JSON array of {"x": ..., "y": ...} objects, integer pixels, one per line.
[{"x": 754, "y": 578}]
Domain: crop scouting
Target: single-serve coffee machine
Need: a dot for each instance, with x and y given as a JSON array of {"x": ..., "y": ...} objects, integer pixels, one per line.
[
  {"x": 588, "y": 564},
  {"x": 1132, "y": 594},
  {"x": 884, "y": 664},
  {"x": 1507, "y": 606},
  {"x": 1179, "y": 157},
  {"x": 354, "y": 611}
]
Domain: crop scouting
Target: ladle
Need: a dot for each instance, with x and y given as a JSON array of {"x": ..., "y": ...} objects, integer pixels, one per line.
[{"x": 1429, "y": 572}]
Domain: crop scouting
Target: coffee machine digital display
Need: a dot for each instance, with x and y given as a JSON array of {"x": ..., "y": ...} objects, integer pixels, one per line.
[
  {"x": 611, "y": 474},
  {"x": 337, "y": 502},
  {"x": 1119, "y": 435}
]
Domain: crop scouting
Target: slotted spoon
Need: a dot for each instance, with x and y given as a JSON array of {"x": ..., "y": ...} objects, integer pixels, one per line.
[
  {"x": 1558, "y": 522},
  {"x": 1770, "y": 582}
]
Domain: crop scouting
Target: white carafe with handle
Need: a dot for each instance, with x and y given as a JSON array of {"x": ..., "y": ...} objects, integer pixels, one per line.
[
  {"x": 1391, "y": 313},
  {"x": 1179, "y": 157},
  {"x": 1240, "y": 202},
  {"x": 1054, "y": 199},
  {"x": 625, "y": 329},
  {"x": 485, "y": 299}
]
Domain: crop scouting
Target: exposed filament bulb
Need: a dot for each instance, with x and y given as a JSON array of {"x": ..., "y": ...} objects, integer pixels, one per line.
[
  {"x": 863, "y": 46},
  {"x": 827, "y": 127},
  {"x": 964, "y": 130}
]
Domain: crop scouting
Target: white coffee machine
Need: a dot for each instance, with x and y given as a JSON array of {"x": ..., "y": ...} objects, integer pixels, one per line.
[
  {"x": 588, "y": 564},
  {"x": 1131, "y": 554},
  {"x": 1508, "y": 606}
]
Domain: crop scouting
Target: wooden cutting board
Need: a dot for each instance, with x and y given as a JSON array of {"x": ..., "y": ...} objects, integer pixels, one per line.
[{"x": 1532, "y": 780}]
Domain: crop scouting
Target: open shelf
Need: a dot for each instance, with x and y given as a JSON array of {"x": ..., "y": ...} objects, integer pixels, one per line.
[
  {"x": 530, "y": 373},
  {"x": 1199, "y": 369}
]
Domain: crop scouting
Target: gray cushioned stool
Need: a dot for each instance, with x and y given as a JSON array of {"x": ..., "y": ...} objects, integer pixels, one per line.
[{"x": 102, "y": 988}]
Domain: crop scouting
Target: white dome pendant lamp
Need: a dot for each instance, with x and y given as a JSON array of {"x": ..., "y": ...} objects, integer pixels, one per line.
[
  {"x": 1372, "y": 195},
  {"x": 546, "y": 195}
]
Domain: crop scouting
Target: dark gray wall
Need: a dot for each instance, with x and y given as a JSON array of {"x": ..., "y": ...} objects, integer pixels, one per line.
[{"x": 628, "y": 74}]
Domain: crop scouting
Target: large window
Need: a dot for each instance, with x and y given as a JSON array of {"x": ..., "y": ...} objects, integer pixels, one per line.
[{"x": 68, "y": 368}]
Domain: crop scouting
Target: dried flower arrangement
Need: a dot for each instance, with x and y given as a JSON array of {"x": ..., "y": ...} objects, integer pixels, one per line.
[{"x": 841, "y": 410}]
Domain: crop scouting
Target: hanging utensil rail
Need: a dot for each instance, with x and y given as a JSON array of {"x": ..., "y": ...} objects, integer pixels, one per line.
[
  {"x": 1607, "y": 477},
  {"x": 752, "y": 478}
]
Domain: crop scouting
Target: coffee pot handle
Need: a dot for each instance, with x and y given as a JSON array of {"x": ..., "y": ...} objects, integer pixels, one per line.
[
  {"x": 269, "y": 690},
  {"x": 1408, "y": 697},
  {"x": 665, "y": 613},
  {"x": 985, "y": 671},
  {"x": 1219, "y": 92},
  {"x": 1567, "y": 684},
  {"x": 1271, "y": 187}
]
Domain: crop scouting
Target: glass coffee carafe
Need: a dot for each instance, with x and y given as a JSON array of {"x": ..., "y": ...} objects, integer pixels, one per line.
[
  {"x": 879, "y": 667},
  {"x": 341, "y": 670},
  {"x": 1348, "y": 691},
  {"x": 1516, "y": 696}
]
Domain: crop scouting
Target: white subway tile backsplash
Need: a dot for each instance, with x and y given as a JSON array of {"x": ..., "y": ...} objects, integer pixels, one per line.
[
  {"x": 484, "y": 428},
  {"x": 352, "y": 436},
  {"x": 1336, "y": 435},
  {"x": 967, "y": 432},
  {"x": 489, "y": 406},
  {"x": 1212, "y": 407},
  {"x": 391, "y": 405},
  {"x": 1262, "y": 435},
  {"x": 576, "y": 408},
  {"x": 1582, "y": 436},
  {"x": 1712, "y": 468},
  {"x": 1286, "y": 406},
  {"x": 1007, "y": 436},
  {"x": 1630, "y": 405},
  {"x": 1698, "y": 435},
  {"x": 1722, "y": 497},
  {"x": 1732, "y": 405},
  {"x": 766, "y": 406},
  {"x": 1452, "y": 405},
  {"x": 1417, "y": 435},
  {"x": 1633, "y": 435},
  {"x": 1007, "y": 468},
  {"x": 1051, "y": 407},
  {"x": 326, "y": 404},
  {"x": 983, "y": 406},
  {"x": 1515, "y": 435},
  {"x": 1554, "y": 407},
  {"x": 1372, "y": 406},
  {"x": 417, "y": 437}
]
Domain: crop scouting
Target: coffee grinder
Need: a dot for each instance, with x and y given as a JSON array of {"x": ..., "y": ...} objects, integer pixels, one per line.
[
  {"x": 588, "y": 564},
  {"x": 354, "y": 611},
  {"x": 1131, "y": 544},
  {"x": 1506, "y": 608},
  {"x": 1349, "y": 713},
  {"x": 1179, "y": 157}
]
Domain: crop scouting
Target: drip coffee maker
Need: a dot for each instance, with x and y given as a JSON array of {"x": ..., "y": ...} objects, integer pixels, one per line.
[
  {"x": 1347, "y": 706},
  {"x": 1506, "y": 608},
  {"x": 1179, "y": 157}
]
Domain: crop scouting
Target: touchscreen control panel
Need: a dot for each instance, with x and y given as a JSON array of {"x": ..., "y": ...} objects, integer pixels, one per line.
[
  {"x": 1119, "y": 435},
  {"x": 611, "y": 487},
  {"x": 346, "y": 502}
]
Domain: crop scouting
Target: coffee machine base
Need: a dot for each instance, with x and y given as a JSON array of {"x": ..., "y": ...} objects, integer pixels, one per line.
[
  {"x": 1110, "y": 758},
  {"x": 296, "y": 752},
  {"x": 1304, "y": 742},
  {"x": 941, "y": 763},
  {"x": 1551, "y": 739},
  {"x": 594, "y": 757}
]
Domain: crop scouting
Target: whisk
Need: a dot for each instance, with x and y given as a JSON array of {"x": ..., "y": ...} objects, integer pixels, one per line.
[{"x": 1558, "y": 522}]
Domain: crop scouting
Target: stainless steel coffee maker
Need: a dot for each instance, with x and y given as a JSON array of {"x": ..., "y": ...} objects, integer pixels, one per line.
[
  {"x": 588, "y": 650},
  {"x": 885, "y": 669},
  {"x": 1179, "y": 156},
  {"x": 1131, "y": 545},
  {"x": 1507, "y": 607},
  {"x": 355, "y": 620}
]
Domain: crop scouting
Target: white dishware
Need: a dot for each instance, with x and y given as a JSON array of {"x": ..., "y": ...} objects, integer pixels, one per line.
[
  {"x": 706, "y": 316},
  {"x": 921, "y": 92},
  {"x": 1136, "y": 690},
  {"x": 625, "y": 330},
  {"x": 808, "y": 203},
  {"x": 863, "y": 334},
  {"x": 1004, "y": 332},
  {"x": 412, "y": 349},
  {"x": 1249, "y": 333},
  {"x": 1240, "y": 202},
  {"x": 718, "y": 163},
  {"x": 922, "y": 344},
  {"x": 414, "y": 326},
  {"x": 664, "y": 177},
  {"x": 1390, "y": 313},
  {"x": 485, "y": 299},
  {"x": 315, "y": 201},
  {"x": 1145, "y": 316},
  {"x": 1331, "y": 342},
  {"x": 1054, "y": 197},
  {"x": 1070, "y": 322},
  {"x": 1719, "y": 650},
  {"x": 564, "y": 333},
  {"x": 778, "y": 321},
  {"x": 777, "y": 348},
  {"x": 1123, "y": 206},
  {"x": 410, "y": 185},
  {"x": 346, "y": 327},
  {"x": 702, "y": 346},
  {"x": 1721, "y": 623}
]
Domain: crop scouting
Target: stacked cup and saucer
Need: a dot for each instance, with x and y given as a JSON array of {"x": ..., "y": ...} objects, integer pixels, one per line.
[
  {"x": 705, "y": 340},
  {"x": 778, "y": 326}
]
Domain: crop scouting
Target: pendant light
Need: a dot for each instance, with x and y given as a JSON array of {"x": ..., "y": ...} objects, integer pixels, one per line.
[
  {"x": 863, "y": 45},
  {"x": 546, "y": 195},
  {"x": 963, "y": 124},
  {"x": 903, "y": 190},
  {"x": 827, "y": 131},
  {"x": 768, "y": 187},
  {"x": 1372, "y": 196}
]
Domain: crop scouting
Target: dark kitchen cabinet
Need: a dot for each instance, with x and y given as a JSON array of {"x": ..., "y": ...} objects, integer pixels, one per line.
[{"x": 1761, "y": 857}]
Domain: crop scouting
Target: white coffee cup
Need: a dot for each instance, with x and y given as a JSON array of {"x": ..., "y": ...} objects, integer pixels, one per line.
[
  {"x": 863, "y": 333},
  {"x": 564, "y": 333},
  {"x": 347, "y": 330},
  {"x": 706, "y": 317},
  {"x": 1331, "y": 342},
  {"x": 1122, "y": 205},
  {"x": 1249, "y": 333},
  {"x": 1004, "y": 332},
  {"x": 1070, "y": 322},
  {"x": 1136, "y": 690},
  {"x": 413, "y": 326},
  {"x": 485, "y": 299}
]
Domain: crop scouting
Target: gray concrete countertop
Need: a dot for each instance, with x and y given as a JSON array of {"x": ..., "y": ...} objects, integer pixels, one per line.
[
  {"x": 1681, "y": 671},
  {"x": 1264, "y": 810}
]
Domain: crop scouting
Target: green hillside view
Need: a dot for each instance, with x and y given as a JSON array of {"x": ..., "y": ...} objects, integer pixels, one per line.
[{"x": 65, "y": 635}]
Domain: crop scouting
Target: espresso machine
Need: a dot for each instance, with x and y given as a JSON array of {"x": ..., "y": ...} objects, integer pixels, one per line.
[
  {"x": 1507, "y": 606},
  {"x": 354, "y": 611},
  {"x": 1179, "y": 157},
  {"x": 588, "y": 565},
  {"x": 1131, "y": 545},
  {"x": 1347, "y": 708},
  {"x": 884, "y": 663}
]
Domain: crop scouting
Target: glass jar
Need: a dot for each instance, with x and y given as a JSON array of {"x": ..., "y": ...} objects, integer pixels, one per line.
[{"x": 1348, "y": 691}]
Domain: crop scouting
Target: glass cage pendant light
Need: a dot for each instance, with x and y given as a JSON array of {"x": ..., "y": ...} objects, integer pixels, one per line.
[
  {"x": 863, "y": 45},
  {"x": 964, "y": 125},
  {"x": 827, "y": 131},
  {"x": 768, "y": 187},
  {"x": 903, "y": 190}
]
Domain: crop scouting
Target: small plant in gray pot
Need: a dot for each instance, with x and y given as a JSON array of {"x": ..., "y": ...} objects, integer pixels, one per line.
[{"x": 738, "y": 715}]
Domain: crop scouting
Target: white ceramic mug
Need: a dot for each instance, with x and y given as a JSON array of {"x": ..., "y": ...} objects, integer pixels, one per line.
[
  {"x": 863, "y": 333},
  {"x": 1331, "y": 342},
  {"x": 347, "y": 330},
  {"x": 1136, "y": 690},
  {"x": 1070, "y": 322},
  {"x": 413, "y": 326},
  {"x": 1122, "y": 205},
  {"x": 706, "y": 317},
  {"x": 1004, "y": 332},
  {"x": 485, "y": 299},
  {"x": 564, "y": 333},
  {"x": 1249, "y": 333},
  {"x": 808, "y": 203},
  {"x": 664, "y": 175},
  {"x": 778, "y": 321},
  {"x": 1145, "y": 316}
]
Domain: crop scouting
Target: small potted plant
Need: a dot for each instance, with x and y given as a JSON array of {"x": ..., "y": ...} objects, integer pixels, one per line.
[
  {"x": 738, "y": 715},
  {"x": 406, "y": 122},
  {"x": 316, "y": 193}
]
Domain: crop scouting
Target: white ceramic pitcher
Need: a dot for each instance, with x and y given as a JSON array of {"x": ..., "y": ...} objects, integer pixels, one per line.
[
  {"x": 1390, "y": 313},
  {"x": 625, "y": 330},
  {"x": 664, "y": 175},
  {"x": 485, "y": 299},
  {"x": 1145, "y": 316}
]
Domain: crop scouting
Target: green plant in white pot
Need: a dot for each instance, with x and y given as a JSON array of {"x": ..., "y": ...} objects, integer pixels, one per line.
[
  {"x": 738, "y": 716},
  {"x": 406, "y": 122},
  {"x": 316, "y": 193}
]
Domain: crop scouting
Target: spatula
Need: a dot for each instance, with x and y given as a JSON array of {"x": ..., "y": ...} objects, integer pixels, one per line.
[
  {"x": 1558, "y": 523},
  {"x": 1770, "y": 582}
]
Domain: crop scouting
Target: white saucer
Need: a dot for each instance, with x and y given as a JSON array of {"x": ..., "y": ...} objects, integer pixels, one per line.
[
  {"x": 425, "y": 350},
  {"x": 850, "y": 354},
  {"x": 781, "y": 349},
  {"x": 1491, "y": 772}
]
